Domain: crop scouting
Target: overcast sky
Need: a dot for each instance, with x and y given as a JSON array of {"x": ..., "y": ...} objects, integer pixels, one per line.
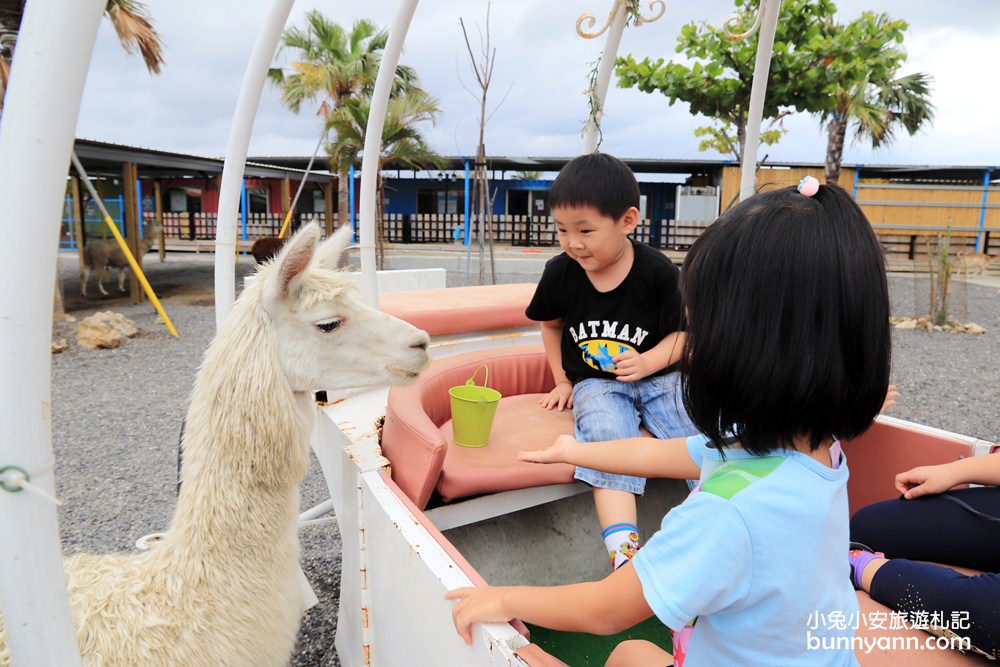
[{"x": 189, "y": 107}]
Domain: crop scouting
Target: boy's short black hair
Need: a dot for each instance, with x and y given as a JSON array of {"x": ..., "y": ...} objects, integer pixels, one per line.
[
  {"x": 598, "y": 180},
  {"x": 788, "y": 322}
]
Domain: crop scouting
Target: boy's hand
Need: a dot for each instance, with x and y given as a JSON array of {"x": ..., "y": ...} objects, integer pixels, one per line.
[
  {"x": 925, "y": 480},
  {"x": 476, "y": 605},
  {"x": 555, "y": 453},
  {"x": 560, "y": 398},
  {"x": 631, "y": 366}
]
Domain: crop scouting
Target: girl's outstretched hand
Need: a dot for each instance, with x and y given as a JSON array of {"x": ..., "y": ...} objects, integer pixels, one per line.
[
  {"x": 476, "y": 605},
  {"x": 926, "y": 480},
  {"x": 890, "y": 399},
  {"x": 555, "y": 453}
]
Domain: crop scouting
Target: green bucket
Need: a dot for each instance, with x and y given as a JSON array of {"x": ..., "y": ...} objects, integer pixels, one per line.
[{"x": 472, "y": 411}]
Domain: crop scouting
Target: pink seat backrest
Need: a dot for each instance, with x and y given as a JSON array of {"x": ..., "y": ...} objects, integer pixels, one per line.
[
  {"x": 887, "y": 449},
  {"x": 411, "y": 438}
]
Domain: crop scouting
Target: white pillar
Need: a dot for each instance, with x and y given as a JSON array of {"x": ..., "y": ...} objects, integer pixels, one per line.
[
  {"x": 236, "y": 155},
  {"x": 53, "y": 52},
  {"x": 373, "y": 146},
  {"x": 765, "y": 42},
  {"x": 592, "y": 129}
]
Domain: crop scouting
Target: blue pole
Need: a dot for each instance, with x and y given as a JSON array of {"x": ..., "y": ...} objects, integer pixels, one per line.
[
  {"x": 243, "y": 207},
  {"x": 138, "y": 203},
  {"x": 982, "y": 211},
  {"x": 121, "y": 215},
  {"x": 468, "y": 217},
  {"x": 857, "y": 176},
  {"x": 350, "y": 190}
]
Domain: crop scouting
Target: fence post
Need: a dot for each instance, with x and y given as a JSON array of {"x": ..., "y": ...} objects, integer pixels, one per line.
[{"x": 982, "y": 211}]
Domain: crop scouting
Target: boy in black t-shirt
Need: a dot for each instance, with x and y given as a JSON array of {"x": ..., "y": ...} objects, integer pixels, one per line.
[{"x": 610, "y": 314}]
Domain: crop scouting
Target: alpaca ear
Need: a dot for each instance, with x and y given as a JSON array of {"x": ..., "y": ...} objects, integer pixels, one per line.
[
  {"x": 329, "y": 253},
  {"x": 293, "y": 260}
]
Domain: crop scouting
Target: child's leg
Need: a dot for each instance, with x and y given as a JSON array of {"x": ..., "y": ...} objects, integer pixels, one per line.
[
  {"x": 639, "y": 653},
  {"x": 617, "y": 514},
  {"x": 968, "y": 606},
  {"x": 934, "y": 528},
  {"x": 662, "y": 408},
  {"x": 606, "y": 410}
]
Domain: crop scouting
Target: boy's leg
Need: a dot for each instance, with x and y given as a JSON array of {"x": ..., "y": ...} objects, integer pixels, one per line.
[
  {"x": 605, "y": 410},
  {"x": 662, "y": 409}
]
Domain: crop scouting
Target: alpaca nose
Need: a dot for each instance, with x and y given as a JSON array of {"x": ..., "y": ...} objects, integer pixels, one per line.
[{"x": 421, "y": 342}]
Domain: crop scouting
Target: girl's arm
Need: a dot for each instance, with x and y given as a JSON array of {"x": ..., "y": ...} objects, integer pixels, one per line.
[
  {"x": 936, "y": 479},
  {"x": 601, "y": 607},
  {"x": 641, "y": 457}
]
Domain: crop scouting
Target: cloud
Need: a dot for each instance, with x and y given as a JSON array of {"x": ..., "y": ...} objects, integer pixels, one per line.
[{"x": 189, "y": 107}]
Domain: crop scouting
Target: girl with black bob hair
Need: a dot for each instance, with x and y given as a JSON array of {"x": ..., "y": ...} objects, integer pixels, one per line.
[
  {"x": 788, "y": 347},
  {"x": 788, "y": 322}
]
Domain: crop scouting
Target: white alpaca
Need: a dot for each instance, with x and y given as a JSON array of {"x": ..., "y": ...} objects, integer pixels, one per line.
[{"x": 222, "y": 587}]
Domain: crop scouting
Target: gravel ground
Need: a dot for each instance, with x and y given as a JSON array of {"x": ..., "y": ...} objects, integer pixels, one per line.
[{"x": 117, "y": 413}]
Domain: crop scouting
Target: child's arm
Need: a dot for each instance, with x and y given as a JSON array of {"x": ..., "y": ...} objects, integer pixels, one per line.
[
  {"x": 936, "y": 479},
  {"x": 603, "y": 607},
  {"x": 630, "y": 366},
  {"x": 561, "y": 396},
  {"x": 641, "y": 457}
]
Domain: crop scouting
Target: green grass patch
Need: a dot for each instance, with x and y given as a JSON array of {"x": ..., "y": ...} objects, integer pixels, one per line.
[{"x": 579, "y": 649}]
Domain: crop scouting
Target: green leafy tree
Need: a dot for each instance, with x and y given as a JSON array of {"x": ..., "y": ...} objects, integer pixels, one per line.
[
  {"x": 333, "y": 66},
  {"x": 403, "y": 144},
  {"x": 718, "y": 81},
  {"x": 867, "y": 93}
]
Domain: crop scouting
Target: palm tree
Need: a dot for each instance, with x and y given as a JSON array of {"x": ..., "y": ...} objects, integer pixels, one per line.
[
  {"x": 131, "y": 20},
  {"x": 871, "y": 96},
  {"x": 334, "y": 66},
  {"x": 403, "y": 144}
]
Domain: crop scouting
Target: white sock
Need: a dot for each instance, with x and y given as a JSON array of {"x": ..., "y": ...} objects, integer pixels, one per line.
[{"x": 621, "y": 541}]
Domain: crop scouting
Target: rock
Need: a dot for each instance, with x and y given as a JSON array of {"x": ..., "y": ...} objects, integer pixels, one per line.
[
  {"x": 105, "y": 330},
  {"x": 905, "y": 323},
  {"x": 59, "y": 346}
]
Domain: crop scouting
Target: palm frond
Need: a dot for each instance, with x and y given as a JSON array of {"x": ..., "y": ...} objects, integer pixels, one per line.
[{"x": 135, "y": 30}]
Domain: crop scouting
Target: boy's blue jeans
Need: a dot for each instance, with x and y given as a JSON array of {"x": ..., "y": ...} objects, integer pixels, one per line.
[{"x": 612, "y": 410}]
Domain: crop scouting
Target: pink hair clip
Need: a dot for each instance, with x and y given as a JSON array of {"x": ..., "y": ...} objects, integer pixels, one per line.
[{"x": 808, "y": 186}]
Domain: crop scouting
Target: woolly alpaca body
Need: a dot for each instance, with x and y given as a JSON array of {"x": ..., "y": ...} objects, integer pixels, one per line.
[
  {"x": 222, "y": 587},
  {"x": 99, "y": 254}
]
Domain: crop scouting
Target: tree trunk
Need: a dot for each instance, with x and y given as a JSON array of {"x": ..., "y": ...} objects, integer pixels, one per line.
[
  {"x": 343, "y": 196},
  {"x": 836, "y": 132}
]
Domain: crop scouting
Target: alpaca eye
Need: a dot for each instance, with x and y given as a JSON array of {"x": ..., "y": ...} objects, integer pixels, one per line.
[{"x": 327, "y": 326}]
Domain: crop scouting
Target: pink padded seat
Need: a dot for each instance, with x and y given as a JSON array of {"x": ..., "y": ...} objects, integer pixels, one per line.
[
  {"x": 885, "y": 450},
  {"x": 455, "y": 310},
  {"x": 416, "y": 436}
]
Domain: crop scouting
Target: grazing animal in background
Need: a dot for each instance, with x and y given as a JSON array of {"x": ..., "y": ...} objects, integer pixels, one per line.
[
  {"x": 99, "y": 254},
  {"x": 266, "y": 247},
  {"x": 975, "y": 263},
  {"x": 222, "y": 587}
]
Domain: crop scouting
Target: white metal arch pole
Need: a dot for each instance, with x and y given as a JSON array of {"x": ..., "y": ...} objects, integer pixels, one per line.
[
  {"x": 765, "y": 43},
  {"x": 236, "y": 156},
  {"x": 54, "y": 47},
  {"x": 373, "y": 146},
  {"x": 592, "y": 130}
]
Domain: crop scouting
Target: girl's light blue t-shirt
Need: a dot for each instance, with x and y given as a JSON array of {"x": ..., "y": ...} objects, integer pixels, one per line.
[{"x": 758, "y": 555}]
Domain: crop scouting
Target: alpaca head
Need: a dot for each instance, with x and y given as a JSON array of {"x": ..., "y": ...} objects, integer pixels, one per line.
[{"x": 325, "y": 336}]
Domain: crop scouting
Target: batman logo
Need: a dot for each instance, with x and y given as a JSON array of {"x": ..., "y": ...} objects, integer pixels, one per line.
[{"x": 598, "y": 353}]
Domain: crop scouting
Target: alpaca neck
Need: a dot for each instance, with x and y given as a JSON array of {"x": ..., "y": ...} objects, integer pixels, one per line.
[{"x": 245, "y": 443}]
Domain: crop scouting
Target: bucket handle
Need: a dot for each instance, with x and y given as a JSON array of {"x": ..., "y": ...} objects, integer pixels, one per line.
[{"x": 472, "y": 380}]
